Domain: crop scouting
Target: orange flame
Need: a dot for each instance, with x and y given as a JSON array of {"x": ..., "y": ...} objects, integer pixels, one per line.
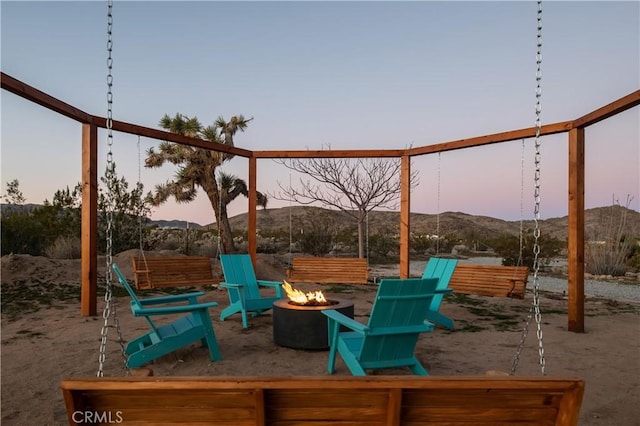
[{"x": 302, "y": 298}]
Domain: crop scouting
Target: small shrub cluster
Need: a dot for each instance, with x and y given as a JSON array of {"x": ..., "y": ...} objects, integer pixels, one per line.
[
  {"x": 610, "y": 249},
  {"x": 508, "y": 247},
  {"x": 53, "y": 229},
  {"x": 64, "y": 247}
]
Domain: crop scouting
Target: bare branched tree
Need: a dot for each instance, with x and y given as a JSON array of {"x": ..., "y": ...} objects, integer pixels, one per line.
[{"x": 353, "y": 186}]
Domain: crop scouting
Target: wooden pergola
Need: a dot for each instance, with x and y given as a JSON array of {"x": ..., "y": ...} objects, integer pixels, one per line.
[{"x": 576, "y": 148}]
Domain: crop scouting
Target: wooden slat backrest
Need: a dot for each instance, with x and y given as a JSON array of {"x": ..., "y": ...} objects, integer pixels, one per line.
[
  {"x": 490, "y": 280},
  {"x": 335, "y": 400},
  {"x": 238, "y": 269},
  {"x": 174, "y": 271},
  {"x": 329, "y": 270},
  {"x": 396, "y": 320},
  {"x": 443, "y": 270}
]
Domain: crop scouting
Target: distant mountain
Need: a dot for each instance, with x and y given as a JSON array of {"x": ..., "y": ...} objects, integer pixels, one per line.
[
  {"x": 461, "y": 224},
  {"x": 181, "y": 224},
  {"x": 8, "y": 208}
]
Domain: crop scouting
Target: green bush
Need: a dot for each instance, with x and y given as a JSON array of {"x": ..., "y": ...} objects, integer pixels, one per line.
[
  {"x": 508, "y": 247},
  {"x": 54, "y": 226},
  {"x": 383, "y": 243},
  {"x": 21, "y": 234},
  {"x": 317, "y": 233}
]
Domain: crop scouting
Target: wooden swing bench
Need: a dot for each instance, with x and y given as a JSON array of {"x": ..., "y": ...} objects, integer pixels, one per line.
[
  {"x": 490, "y": 280},
  {"x": 321, "y": 400},
  {"x": 347, "y": 270},
  {"x": 173, "y": 271}
]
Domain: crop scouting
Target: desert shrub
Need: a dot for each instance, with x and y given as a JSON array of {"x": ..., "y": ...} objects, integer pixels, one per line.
[
  {"x": 634, "y": 257},
  {"x": 204, "y": 248},
  {"x": 21, "y": 234},
  {"x": 317, "y": 233},
  {"x": 421, "y": 243},
  {"x": 508, "y": 247},
  {"x": 31, "y": 231},
  {"x": 610, "y": 248},
  {"x": 64, "y": 247},
  {"x": 53, "y": 226},
  {"x": 130, "y": 212},
  {"x": 382, "y": 243},
  {"x": 169, "y": 243},
  {"x": 445, "y": 244}
]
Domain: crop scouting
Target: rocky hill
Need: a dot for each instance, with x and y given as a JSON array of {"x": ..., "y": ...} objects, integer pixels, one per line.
[{"x": 461, "y": 224}]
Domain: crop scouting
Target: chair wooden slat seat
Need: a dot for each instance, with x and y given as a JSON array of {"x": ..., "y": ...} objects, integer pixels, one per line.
[
  {"x": 490, "y": 280},
  {"x": 328, "y": 270},
  {"x": 174, "y": 271},
  {"x": 321, "y": 400}
]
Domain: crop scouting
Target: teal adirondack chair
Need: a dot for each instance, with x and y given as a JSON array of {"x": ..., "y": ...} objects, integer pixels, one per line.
[
  {"x": 390, "y": 337},
  {"x": 244, "y": 288},
  {"x": 167, "y": 338},
  {"x": 442, "y": 269}
]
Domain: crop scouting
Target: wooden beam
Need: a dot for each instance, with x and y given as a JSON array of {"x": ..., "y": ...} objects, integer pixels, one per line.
[
  {"x": 615, "y": 107},
  {"x": 330, "y": 153},
  {"x": 36, "y": 96},
  {"x": 394, "y": 407},
  {"x": 575, "y": 256},
  {"x": 89, "y": 227},
  {"x": 530, "y": 132},
  {"x": 405, "y": 214},
  {"x": 252, "y": 214},
  {"x": 134, "y": 129}
]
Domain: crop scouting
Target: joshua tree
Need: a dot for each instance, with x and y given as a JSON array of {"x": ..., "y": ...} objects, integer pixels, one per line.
[
  {"x": 230, "y": 188},
  {"x": 197, "y": 168}
]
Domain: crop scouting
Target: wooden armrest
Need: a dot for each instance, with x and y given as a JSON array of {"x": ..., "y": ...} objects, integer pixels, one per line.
[
  {"x": 269, "y": 283},
  {"x": 172, "y": 298},
  {"x": 346, "y": 321},
  {"x": 167, "y": 310}
]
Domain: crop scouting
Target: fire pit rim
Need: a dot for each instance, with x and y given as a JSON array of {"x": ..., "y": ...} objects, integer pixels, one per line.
[{"x": 340, "y": 303}]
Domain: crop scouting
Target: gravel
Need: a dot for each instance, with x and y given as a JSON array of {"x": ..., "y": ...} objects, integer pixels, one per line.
[
  {"x": 592, "y": 288},
  {"x": 607, "y": 289}
]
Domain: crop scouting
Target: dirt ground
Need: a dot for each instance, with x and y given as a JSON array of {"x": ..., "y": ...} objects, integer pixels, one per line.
[{"x": 45, "y": 340}]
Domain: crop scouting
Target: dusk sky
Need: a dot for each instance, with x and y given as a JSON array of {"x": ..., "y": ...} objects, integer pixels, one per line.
[{"x": 351, "y": 75}]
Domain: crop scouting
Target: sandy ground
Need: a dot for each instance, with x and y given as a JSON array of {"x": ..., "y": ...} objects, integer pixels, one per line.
[{"x": 40, "y": 347}]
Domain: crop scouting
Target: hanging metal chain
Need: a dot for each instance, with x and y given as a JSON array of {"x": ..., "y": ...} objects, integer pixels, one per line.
[
  {"x": 290, "y": 225},
  {"x": 110, "y": 307},
  {"x": 140, "y": 213},
  {"x": 438, "y": 207},
  {"x": 140, "y": 209},
  {"x": 535, "y": 306},
  {"x": 218, "y": 219},
  {"x": 521, "y": 234}
]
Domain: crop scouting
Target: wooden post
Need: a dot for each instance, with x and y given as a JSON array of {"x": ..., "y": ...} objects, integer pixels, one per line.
[
  {"x": 89, "y": 233},
  {"x": 405, "y": 214},
  {"x": 252, "y": 214},
  {"x": 575, "y": 255}
]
